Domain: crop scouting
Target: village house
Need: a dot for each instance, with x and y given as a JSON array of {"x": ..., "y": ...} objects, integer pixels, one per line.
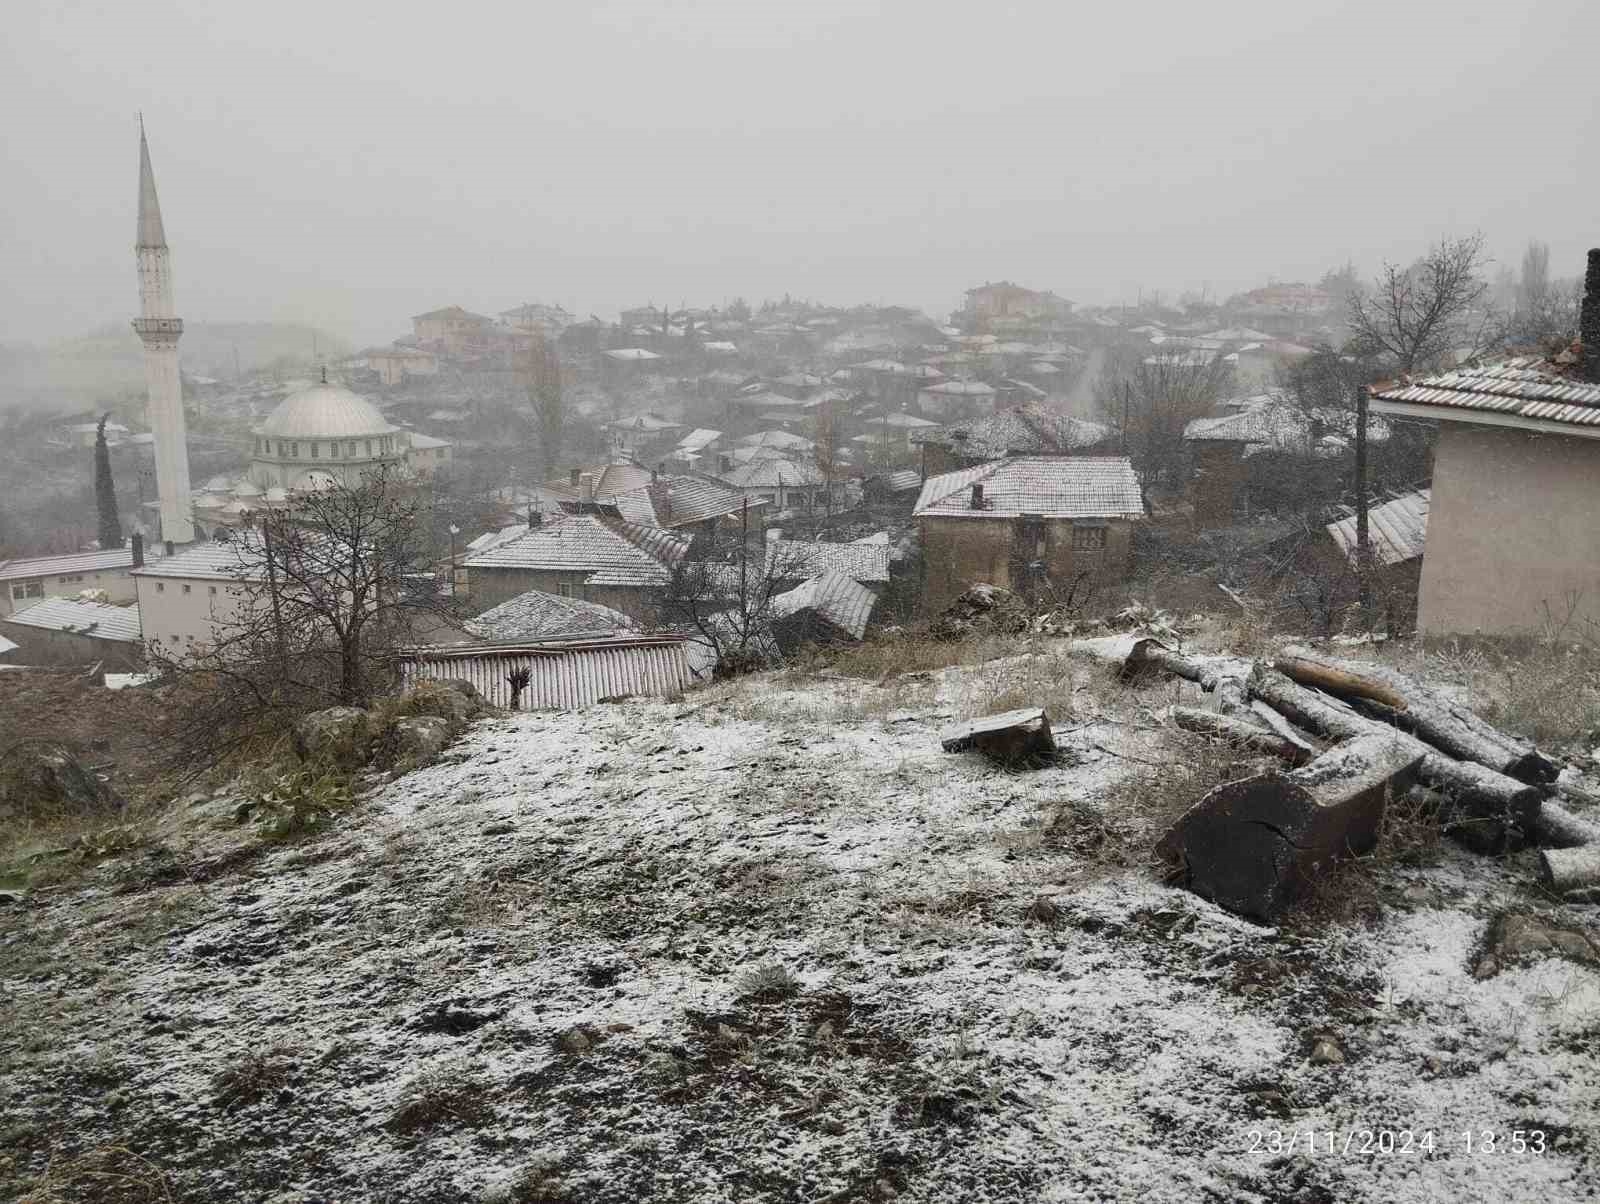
[
  {"x": 184, "y": 597},
  {"x": 396, "y": 365},
  {"x": 1516, "y": 490},
  {"x": 638, "y": 434},
  {"x": 588, "y": 557},
  {"x": 452, "y": 328},
  {"x": 794, "y": 560},
  {"x": 989, "y": 304},
  {"x": 1039, "y": 525},
  {"x": 1026, "y": 430},
  {"x": 28, "y": 580},
  {"x": 60, "y": 631},
  {"x": 532, "y": 318},
  {"x": 783, "y": 484}
]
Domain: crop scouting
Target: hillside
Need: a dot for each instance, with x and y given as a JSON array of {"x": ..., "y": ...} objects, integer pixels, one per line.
[{"x": 770, "y": 943}]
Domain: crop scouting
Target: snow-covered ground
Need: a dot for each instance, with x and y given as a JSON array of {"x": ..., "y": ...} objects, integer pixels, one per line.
[{"x": 772, "y": 944}]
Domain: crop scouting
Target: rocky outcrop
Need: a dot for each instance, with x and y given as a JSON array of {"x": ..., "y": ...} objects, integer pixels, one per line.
[
  {"x": 40, "y": 779},
  {"x": 339, "y": 737}
]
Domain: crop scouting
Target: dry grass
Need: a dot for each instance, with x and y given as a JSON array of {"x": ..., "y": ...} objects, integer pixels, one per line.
[
  {"x": 886, "y": 657},
  {"x": 251, "y": 1079},
  {"x": 107, "y": 1174},
  {"x": 441, "y": 1099}
]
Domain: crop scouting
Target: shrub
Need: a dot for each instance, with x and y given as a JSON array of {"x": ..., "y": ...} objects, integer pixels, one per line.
[{"x": 299, "y": 800}]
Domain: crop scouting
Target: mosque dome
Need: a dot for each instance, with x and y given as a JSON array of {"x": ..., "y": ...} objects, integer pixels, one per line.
[{"x": 324, "y": 411}]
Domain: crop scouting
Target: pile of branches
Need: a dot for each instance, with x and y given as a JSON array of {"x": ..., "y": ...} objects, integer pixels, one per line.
[{"x": 1345, "y": 737}]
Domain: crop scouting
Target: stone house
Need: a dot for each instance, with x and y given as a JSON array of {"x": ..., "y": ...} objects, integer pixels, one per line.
[
  {"x": 1034, "y": 524},
  {"x": 1511, "y": 539},
  {"x": 589, "y": 557}
]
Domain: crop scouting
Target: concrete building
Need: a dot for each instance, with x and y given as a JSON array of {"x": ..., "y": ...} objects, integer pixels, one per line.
[
  {"x": 396, "y": 365},
  {"x": 183, "y": 597},
  {"x": 1513, "y": 534},
  {"x": 1034, "y": 524},
  {"x": 643, "y": 432},
  {"x": 450, "y": 328},
  {"x": 26, "y": 581},
  {"x": 160, "y": 328}
]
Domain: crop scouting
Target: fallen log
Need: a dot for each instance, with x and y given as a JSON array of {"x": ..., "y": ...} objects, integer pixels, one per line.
[
  {"x": 1253, "y": 845},
  {"x": 1225, "y": 677},
  {"x": 1012, "y": 737},
  {"x": 1566, "y": 871},
  {"x": 1557, "y": 828},
  {"x": 1478, "y": 791},
  {"x": 1240, "y": 734},
  {"x": 1285, "y": 729},
  {"x": 1422, "y": 710}
]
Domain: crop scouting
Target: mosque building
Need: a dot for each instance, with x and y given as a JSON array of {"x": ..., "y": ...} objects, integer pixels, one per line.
[{"x": 321, "y": 437}]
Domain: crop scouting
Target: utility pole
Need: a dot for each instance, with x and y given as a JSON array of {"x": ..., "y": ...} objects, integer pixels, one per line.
[
  {"x": 1127, "y": 402},
  {"x": 1363, "y": 543}
]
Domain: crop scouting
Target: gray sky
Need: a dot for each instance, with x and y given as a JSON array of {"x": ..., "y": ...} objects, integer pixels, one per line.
[{"x": 319, "y": 163}]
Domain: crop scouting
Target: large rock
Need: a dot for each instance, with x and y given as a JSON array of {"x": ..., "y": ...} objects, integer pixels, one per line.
[
  {"x": 453, "y": 700},
  {"x": 39, "y": 779},
  {"x": 339, "y": 737},
  {"x": 982, "y": 610},
  {"x": 417, "y": 739},
  {"x": 1515, "y": 938}
]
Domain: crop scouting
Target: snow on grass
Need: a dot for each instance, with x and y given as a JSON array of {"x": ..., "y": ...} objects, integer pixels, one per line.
[{"x": 523, "y": 973}]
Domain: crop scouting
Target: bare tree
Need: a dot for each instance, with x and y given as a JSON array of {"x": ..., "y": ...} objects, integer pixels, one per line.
[
  {"x": 321, "y": 601},
  {"x": 1148, "y": 399},
  {"x": 1413, "y": 315},
  {"x": 1545, "y": 313}
]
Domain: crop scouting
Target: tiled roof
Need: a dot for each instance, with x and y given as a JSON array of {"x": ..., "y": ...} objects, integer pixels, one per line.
[
  {"x": 1272, "y": 420},
  {"x": 1026, "y": 430},
  {"x": 793, "y": 558},
  {"x": 679, "y": 501},
  {"x": 609, "y": 479},
  {"x": 832, "y": 596},
  {"x": 536, "y": 615},
  {"x": 962, "y": 388},
  {"x": 698, "y": 439},
  {"x": 773, "y": 401},
  {"x": 903, "y": 481},
  {"x": 612, "y": 552},
  {"x": 120, "y": 623},
  {"x": 1049, "y": 486},
  {"x": 776, "y": 439},
  {"x": 631, "y": 353},
  {"x": 647, "y": 421},
  {"x": 237, "y": 559},
  {"x": 450, "y": 311},
  {"x": 1526, "y": 392},
  {"x": 1396, "y": 530},
  {"x": 72, "y": 562},
  {"x": 771, "y": 473}
]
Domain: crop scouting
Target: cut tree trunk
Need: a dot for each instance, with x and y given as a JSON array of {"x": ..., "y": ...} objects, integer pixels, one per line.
[
  {"x": 1478, "y": 792},
  {"x": 1012, "y": 738},
  {"x": 1565, "y": 871},
  {"x": 1253, "y": 845},
  {"x": 1239, "y": 733},
  {"x": 1557, "y": 828},
  {"x": 1226, "y": 677},
  {"x": 1448, "y": 726}
]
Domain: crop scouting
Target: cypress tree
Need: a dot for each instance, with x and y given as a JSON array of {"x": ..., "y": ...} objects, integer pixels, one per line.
[{"x": 105, "y": 493}]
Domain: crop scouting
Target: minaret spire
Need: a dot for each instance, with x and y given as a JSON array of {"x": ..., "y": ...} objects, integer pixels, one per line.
[
  {"x": 151, "y": 232},
  {"x": 160, "y": 328}
]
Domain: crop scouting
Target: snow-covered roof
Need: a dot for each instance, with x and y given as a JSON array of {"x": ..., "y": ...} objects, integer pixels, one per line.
[
  {"x": 1527, "y": 392},
  {"x": 1048, "y": 486},
  {"x": 1396, "y": 531},
  {"x": 103, "y": 622},
  {"x": 679, "y": 501},
  {"x": 536, "y": 615},
  {"x": 648, "y": 422},
  {"x": 832, "y": 596},
  {"x": 782, "y": 439},
  {"x": 237, "y": 559},
  {"x": 612, "y": 552},
  {"x": 1029, "y": 429},
  {"x": 791, "y": 558},
  {"x": 631, "y": 354},
  {"x": 698, "y": 439},
  {"x": 427, "y": 442},
  {"x": 72, "y": 562},
  {"x": 771, "y": 474},
  {"x": 325, "y": 411}
]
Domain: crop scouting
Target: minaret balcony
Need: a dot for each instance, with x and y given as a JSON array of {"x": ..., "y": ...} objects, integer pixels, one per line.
[{"x": 158, "y": 326}]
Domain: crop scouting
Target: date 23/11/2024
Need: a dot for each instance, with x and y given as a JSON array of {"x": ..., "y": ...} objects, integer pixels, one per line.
[{"x": 1362, "y": 1143}]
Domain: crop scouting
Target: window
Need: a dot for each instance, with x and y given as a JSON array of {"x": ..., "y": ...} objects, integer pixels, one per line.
[
  {"x": 161, "y": 587},
  {"x": 314, "y": 448},
  {"x": 570, "y": 589},
  {"x": 211, "y": 589},
  {"x": 294, "y": 451},
  {"x": 439, "y": 453},
  {"x": 350, "y": 451},
  {"x": 186, "y": 589},
  {"x": 1088, "y": 538},
  {"x": 369, "y": 448},
  {"x": 27, "y": 589}
]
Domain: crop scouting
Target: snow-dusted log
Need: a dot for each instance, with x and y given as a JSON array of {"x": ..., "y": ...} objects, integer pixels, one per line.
[
  {"x": 1557, "y": 828},
  {"x": 1223, "y": 676},
  {"x": 1252, "y": 845},
  {"x": 1398, "y": 699},
  {"x": 1567, "y": 870},
  {"x": 1479, "y": 792},
  {"x": 1239, "y": 733},
  {"x": 1012, "y": 738}
]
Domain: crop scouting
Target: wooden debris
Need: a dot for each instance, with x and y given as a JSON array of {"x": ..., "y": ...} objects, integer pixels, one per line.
[
  {"x": 1012, "y": 738},
  {"x": 1448, "y": 726},
  {"x": 1253, "y": 845},
  {"x": 1557, "y": 828},
  {"x": 1240, "y": 734}
]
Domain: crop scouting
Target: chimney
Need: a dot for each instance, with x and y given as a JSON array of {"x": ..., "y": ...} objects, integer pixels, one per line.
[
  {"x": 576, "y": 476},
  {"x": 137, "y": 543},
  {"x": 655, "y": 474},
  {"x": 169, "y": 547},
  {"x": 977, "y": 495},
  {"x": 586, "y": 488},
  {"x": 535, "y": 519},
  {"x": 724, "y": 463},
  {"x": 1589, "y": 321}
]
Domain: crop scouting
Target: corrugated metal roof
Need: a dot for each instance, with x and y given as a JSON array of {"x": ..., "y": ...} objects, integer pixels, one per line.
[
  {"x": 793, "y": 558},
  {"x": 614, "y": 553},
  {"x": 564, "y": 675},
  {"x": 72, "y": 562},
  {"x": 833, "y": 596},
  {"x": 96, "y": 619},
  {"x": 1526, "y": 387},
  {"x": 1049, "y": 486},
  {"x": 1397, "y": 530}
]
